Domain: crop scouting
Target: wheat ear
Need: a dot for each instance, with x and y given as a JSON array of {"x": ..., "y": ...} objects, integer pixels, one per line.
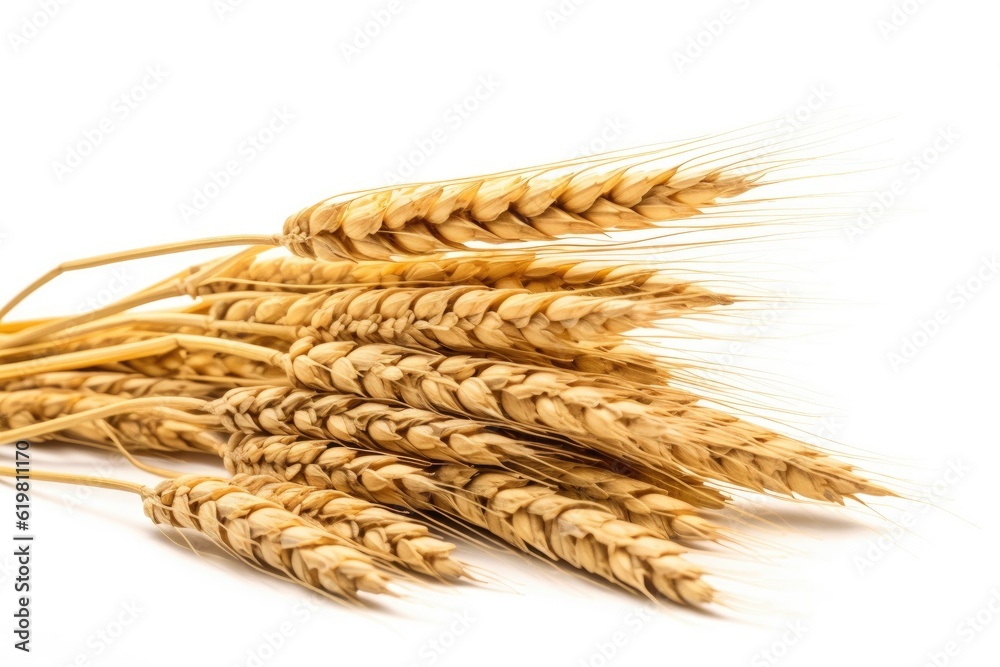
[
  {"x": 531, "y": 271},
  {"x": 397, "y": 537},
  {"x": 655, "y": 428},
  {"x": 276, "y": 410},
  {"x": 599, "y": 195},
  {"x": 124, "y": 384},
  {"x": 521, "y": 513},
  {"x": 465, "y": 317},
  {"x": 282, "y": 410},
  {"x": 427, "y": 435},
  {"x": 659, "y": 428},
  {"x": 378, "y": 529},
  {"x": 263, "y": 532},
  {"x": 287, "y": 411},
  {"x": 254, "y": 530},
  {"x": 578, "y": 331}
]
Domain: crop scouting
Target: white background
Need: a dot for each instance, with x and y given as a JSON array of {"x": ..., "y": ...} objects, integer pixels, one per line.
[{"x": 562, "y": 76}]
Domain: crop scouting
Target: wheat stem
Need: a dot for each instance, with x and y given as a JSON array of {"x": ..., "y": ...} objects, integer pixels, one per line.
[
  {"x": 82, "y": 480},
  {"x": 137, "y": 253}
]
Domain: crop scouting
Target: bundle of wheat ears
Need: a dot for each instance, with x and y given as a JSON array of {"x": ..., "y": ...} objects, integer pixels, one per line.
[{"x": 440, "y": 360}]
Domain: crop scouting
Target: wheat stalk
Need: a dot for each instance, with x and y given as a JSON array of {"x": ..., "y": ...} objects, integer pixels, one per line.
[
  {"x": 521, "y": 513},
  {"x": 165, "y": 430},
  {"x": 210, "y": 367}
]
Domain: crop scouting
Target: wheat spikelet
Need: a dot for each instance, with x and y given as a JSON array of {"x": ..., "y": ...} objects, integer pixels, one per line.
[
  {"x": 521, "y": 513},
  {"x": 264, "y": 533},
  {"x": 536, "y": 204},
  {"x": 629, "y": 499},
  {"x": 692, "y": 490},
  {"x": 399, "y": 538}
]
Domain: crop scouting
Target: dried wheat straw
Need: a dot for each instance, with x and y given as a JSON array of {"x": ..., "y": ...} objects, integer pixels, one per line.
[
  {"x": 196, "y": 365},
  {"x": 164, "y": 431}
]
